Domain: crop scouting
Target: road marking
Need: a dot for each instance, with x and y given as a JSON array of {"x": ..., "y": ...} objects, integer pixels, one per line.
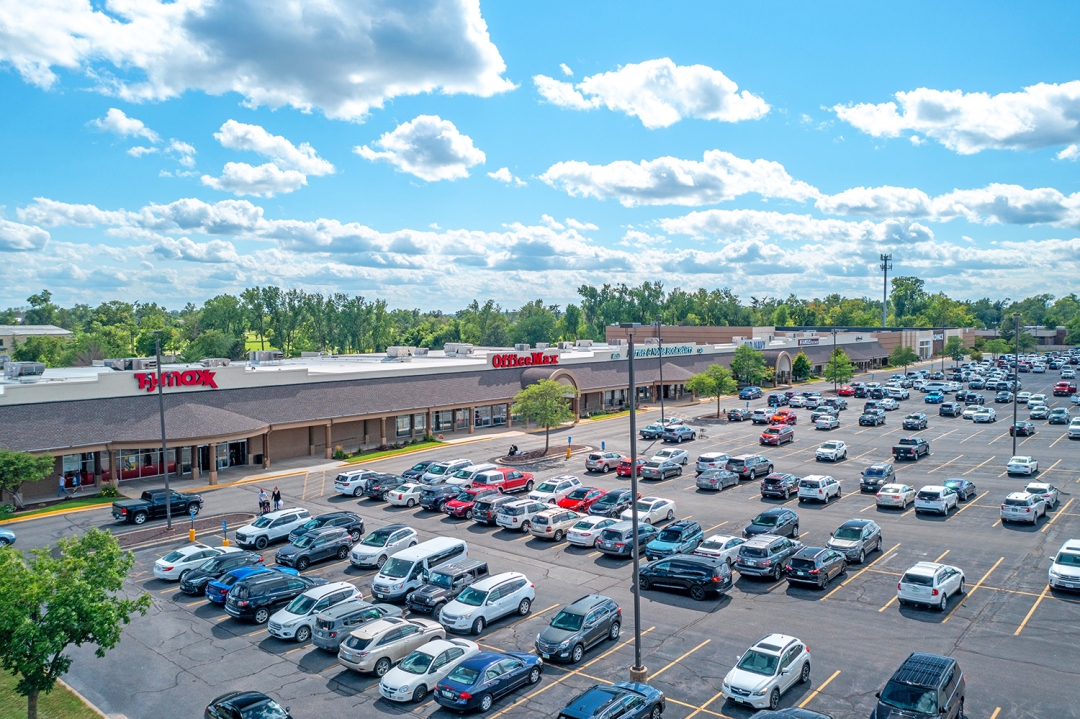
[
  {"x": 978, "y": 465},
  {"x": 702, "y": 707},
  {"x": 594, "y": 554},
  {"x": 944, "y": 435},
  {"x": 942, "y": 466},
  {"x": 1032, "y": 611},
  {"x": 676, "y": 701},
  {"x": 995, "y": 439},
  {"x": 654, "y": 675},
  {"x": 854, "y": 576},
  {"x": 867, "y": 507},
  {"x": 1058, "y": 514},
  {"x": 303, "y": 491},
  {"x": 776, "y": 585},
  {"x": 1058, "y": 439},
  {"x": 302, "y": 646},
  {"x": 820, "y": 687},
  {"x": 1051, "y": 467},
  {"x": 972, "y": 590},
  {"x": 942, "y": 556},
  {"x": 970, "y": 504},
  {"x": 872, "y": 449},
  {"x": 888, "y": 604},
  {"x": 972, "y": 436},
  {"x": 996, "y": 712},
  {"x": 995, "y": 523},
  {"x": 715, "y": 526}
]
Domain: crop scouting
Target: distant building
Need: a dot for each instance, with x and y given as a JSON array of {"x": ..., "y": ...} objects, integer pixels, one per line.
[{"x": 14, "y": 335}]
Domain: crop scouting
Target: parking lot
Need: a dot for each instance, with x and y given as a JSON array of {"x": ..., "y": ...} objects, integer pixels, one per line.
[{"x": 1015, "y": 640}]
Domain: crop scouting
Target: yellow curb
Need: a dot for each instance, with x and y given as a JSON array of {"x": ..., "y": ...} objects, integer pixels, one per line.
[{"x": 54, "y": 512}]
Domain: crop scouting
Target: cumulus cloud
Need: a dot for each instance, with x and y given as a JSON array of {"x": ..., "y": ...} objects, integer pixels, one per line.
[
  {"x": 266, "y": 180},
  {"x": 139, "y": 151},
  {"x": 182, "y": 152},
  {"x": 1038, "y": 116},
  {"x": 719, "y": 177},
  {"x": 504, "y": 175},
  {"x": 1072, "y": 152},
  {"x": 239, "y": 136},
  {"x": 658, "y": 92},
  {"x": 339, "y": 56},
  {"x": 566, "y": 69},
  {"x": 213, "y": 251},
  {"x": 16, "y": 237},
  {"x": 118, "y": 123},
  {"x": 429, "y": 147},
  {"x": 571, "y": 222},
  {"x": 758, "y": 225}
]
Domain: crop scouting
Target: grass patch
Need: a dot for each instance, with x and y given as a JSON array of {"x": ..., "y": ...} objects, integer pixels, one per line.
[
  {"x": 60, "y": 703},
  {"x": 369, "y": 456},
  {"x": 67, "y": 504},
  {"x": 608, "y": 415}
]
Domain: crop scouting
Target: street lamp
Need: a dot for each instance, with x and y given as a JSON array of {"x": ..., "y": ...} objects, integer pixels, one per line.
[
  {"x": 1016, "y": 377},
  {"x": 834, "y": 331},
  {"x": 164, "y": 464},
  {"x": 660, "y": 354},
  {"x": 637, "y": 671}
]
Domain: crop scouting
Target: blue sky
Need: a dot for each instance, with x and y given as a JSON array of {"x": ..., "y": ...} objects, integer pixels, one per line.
[{"x": 171, "y": 152}]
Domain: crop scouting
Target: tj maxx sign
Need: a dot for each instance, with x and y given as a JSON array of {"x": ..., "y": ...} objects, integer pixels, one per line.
[{"x": 187, "y": 378}]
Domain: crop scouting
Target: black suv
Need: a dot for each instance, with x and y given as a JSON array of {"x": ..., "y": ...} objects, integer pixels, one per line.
[
  {"x": 588, "y": 621},
  {"x": 765, "y": 556},
  {"x": 485, "y": 508},
  {"x": 435, "y": 497},
  {"x": 701, "y": 576},
  {"x": 350, "y": 521},
  {"x": 916, "y": 420},
  {"x": 872, "y": 417},
  {"x": 612, "y": 504},
  {"x": 315, "y": 546},
  {"x": 417, "y": 470},
  {"x": 195, "y": 580},
  {"x": 950, "y": 409},
  {"x": 925, "y": 685},
  {"x": 256, "y": 597},
  {"x": 381, "y": 484},
  {"x": 815, "y": 565},
  {"x": 779, "y": 484},
  {"x": 779, "y": 521},
  {"x": 749, "y": 466},
  {"x": 444, "y": 584}
]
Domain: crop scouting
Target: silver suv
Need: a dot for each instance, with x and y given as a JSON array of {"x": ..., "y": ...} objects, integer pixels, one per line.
[
  {"x": 855, "y": 539},
  {"x": 519, "y": 514},
  {"x": 271, "y": 527},
  {"x": 765, "y": 555},
  {"x": 602, "y": 461}
]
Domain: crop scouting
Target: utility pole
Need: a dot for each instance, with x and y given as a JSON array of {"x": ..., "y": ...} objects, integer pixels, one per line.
[
  {"x": 886, "y": 265},
  {"x": 660, "y": 351},
  {"x": 637, "y": 671},
  {"x": 164, "y": 464},
  {"x": 1016, "y": 378}
]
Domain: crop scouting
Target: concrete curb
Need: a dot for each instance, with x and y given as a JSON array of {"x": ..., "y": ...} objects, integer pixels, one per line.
[
  {"x": 86, "y": 701},
  {"x": 54, "y": 512}
]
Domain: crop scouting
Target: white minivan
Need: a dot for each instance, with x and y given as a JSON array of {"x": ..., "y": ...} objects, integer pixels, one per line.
[{"x": 405, "y": 571}]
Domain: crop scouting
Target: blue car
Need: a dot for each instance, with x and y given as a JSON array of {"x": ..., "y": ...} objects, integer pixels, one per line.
[
  {"x": 478, "y": 681},
  {"x": 6, "y": 537},
  {"x": 681, "y": 537},
  {"x": 750, "y": 393},
  {"x": 217, "y": 589},
  {"x": 626, "y": 700},
  {"x": 934, "y": 397}
]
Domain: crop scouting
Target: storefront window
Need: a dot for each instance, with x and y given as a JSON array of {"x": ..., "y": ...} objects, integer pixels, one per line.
[
  {"x": 403, "y": 425},
  {"x": 222, "y": 455},
  {"x": 419, "y": 422},
  {"x": 482, "y": 416},
  {"x": 461, "y": 419},
  {"x": 498, "y": 415},
  {"x": 444, "y": 419}
]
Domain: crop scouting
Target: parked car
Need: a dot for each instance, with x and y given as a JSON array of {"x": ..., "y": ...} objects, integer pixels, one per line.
[
  {"x": 876, "y": 476},
  {"x": 838, "y": 403},
  {"x": 984, "y": 415},
  {"x": 785, "y": 416},
  {"x": 915, "y": 421},
  {"x": 930, "y": 584},
  {"x": 259, "y": 595},
  {"x": 440, "y": 471},
  {"x": 612, "y": 504},
  {"x": 818, "y": 488},
  {"x": 934, "y": 397},
  {"x": 581, "y": 499},
  {"x": 271, "y": 527},
  {"x": 553, "y": 524},
  {"x": 700, "y": 576},
  {"x": 587, "y": 531},
  {"x": 964, "y": 488},
  {"x": 1021, "y": 429},
  {"x": 376, "y": 646},
  {"x": 652, "y": 431},
  {"x": 826, "y": 421},
  {"x": 194, "y": 581},
  {"x": 578, "y": 627},
  {"x": 779, "y": 484},
  {"x": 768, "y": 669},
  {"x": 519, "y": 514},
  {"x": 487, "y": 601},
  {"x": 716, "y": 479},
  {"x": 776, "y": 399},
  {"x": 950, "y": 409},
  {"x": 739, "y": 414},
  {"x": 1003, "y": 397},
  {"x": 911, "y": 448},
  {"x": 349, "y": 521},
  {"x": 217, "y": 590},
  {"x": 834, "y": 450},
  {"x": 297, "y": 619},
  {"x": 625, "y": 700},
  {"x": 245, "y": 705},
  {"x": 855, "y": 539},
  {"x": 776, "y": 521},
  {"x": 1049, "y": 493},
  {"x": 1058, "y": 415},
  {"x": 721, "y": 546},
  {"x": 681, "y": 537},
  {"x": 553, "y": 489},
  {"x": 486, "y": 509},
  {"x": 749, "y": 466},
  {"x": 1073, "y": 432},
  {"x": 661, "y": 469},
  {"x": 476, "y": 682},
  {"x": 353, "y": 482},
  {"x": 926, "y": 686},
  {"x": 151, "y": 505},
  {"x": 711, "y": 460},
  {"x": 765, "y": 555},
  {"x": 936, "y": 498},
  {"x": 618, "y": 539},
  {"x": 846, "y": 391},
  {"x": 419, "y": 673},
  {"x": 315, "y": 546},
  {"x": 382, "y": 544},
  {"x": 1022, "y": 465},
  {"x": 623, "y": 470},
  {"x": 434, "y": 497},
  {"x": 750, "y": 393},
  {"x": 175, "y": 565},
  {"x": 777, "y": 435},
  {"x": 464, "y": 477},
  {"x": 872, "y": 418},
  {"x": 1022, "y": 507},
  {"x": 462, "y": 505},
  {"x": 444, "y": 583},
  {"x": 651, "y": 510},
  {"x": 379, "y": 487},
  {"x": 895, "y": 495},
  {"x": 815, "y": 565},
  {"x": 1064, "y": 570},
  {"x": 680, "y": 456},
  {"x": 333, "y": 625},
  {"x": 418, "y": 470},
  {"x": 503, "y": 479},
  {"x": 602, "y": 461}
]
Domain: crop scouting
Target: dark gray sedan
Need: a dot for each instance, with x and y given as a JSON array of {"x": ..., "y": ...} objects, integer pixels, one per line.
[{"x": 717, "y": 479}]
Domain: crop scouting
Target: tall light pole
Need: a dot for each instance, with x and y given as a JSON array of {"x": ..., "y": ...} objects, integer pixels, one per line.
[
  {"x": 834, "y": 359},
  {"x": 886, "y": 265},
  {"x": 660, "y": 354},
  {"x": 637, "y": 672},
  {"x": 1016, "y": 377},
  {"x": 164, "y": 463}
]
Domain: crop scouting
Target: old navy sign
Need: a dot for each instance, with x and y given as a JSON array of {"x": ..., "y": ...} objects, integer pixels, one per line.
[
  {"x": 523, "y": 360},
  {"x": 187, "y": 378}
]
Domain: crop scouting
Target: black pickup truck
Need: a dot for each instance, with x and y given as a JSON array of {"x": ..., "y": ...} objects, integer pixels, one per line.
[
  {"x": 911, "y": 448},
  {"x": 151, "y": 505}
]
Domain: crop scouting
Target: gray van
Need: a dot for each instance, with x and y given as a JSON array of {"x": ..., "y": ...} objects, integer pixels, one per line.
[{"x": 334, "y": 625}]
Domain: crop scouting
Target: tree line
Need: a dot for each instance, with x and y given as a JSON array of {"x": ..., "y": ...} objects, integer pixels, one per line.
[{"x": 295, "y": 321}]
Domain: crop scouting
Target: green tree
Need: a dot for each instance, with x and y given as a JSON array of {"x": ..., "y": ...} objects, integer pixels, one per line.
[
  {"x": 214, "y": 343},
  {"x": 908, "y": 298},
  {"x": 48, "y": 603},
  {"x": 748, "y": 364},
  {"x": 42, "y": 309},
  {"x": 535, "y": 323},
  {"x": 40, "y": 348},
  {"x": 544, "y": 402},
  {"x": 975, "y": 355},
  {"x": 954, "y": 348},
  {"x": 571, "y": 325},
  {"x": 839, "y": 369},
  {"x": 17, "y": 468},
  {"x": 902, "y": 356},
  {"x": 996, "y": 347},
  {"x": 801, "y": 367},
  {"x": 716, "y": 381}
]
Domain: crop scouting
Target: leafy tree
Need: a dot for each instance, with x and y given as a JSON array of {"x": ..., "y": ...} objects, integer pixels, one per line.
[
  {"x": 801, "y": 367},
  {"x": 902, "y": 356},
  {"x": 48, "y": 603},
  {"x": 535, "y": 323},
  {"x": 255, "y": 315},
  {"x": 571, "y": 325},
  {"x": 975, "y": 355},
  {"x": 996, "y": 347},
  {"x": 908, "y": 298},
  {"x": 214, "y": 343},
  {"x": 839, "y": 369},
  {"x": 17, "y": 468},
  {"x": 781, "y": 317},
  {"x": 716, "y": 381},
  {"x": 544, "y": 402},
  {"x": 40, "y": 348},
  {"x": 42, "y": 309},
  {"x": 748, "y": 364},
  {"x": 954, "y": 348}
]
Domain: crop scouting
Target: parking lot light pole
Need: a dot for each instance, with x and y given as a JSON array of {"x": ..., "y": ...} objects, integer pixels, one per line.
[
  {"x": 1016, "y": 378},
  {"x": 637, "y": 672},
  {"x": 161, "y": 413},
  {"x": 660, "y": 354},
  {"x": 834, "y": 360}
]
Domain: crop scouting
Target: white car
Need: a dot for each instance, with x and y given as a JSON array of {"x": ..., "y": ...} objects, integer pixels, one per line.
[
  {"x": 297, "y": 619},
  {"x": 1023, "y": 397},
  {"x": 439, "y": 471},
  {"x": 177, "y": 563},
  {"x": 1049, "y": 493},
  {"x": 1067, "y": 373},
  {"x": 936, "y": 498},
  {"x": 1022, "y": 507},
  {"x": 930, "y": 584},
  {"x": 671, "y": 455},
  {"x": 826, "y": 422},
  {"x": 1037, "y": 399},
  {"x": 715, "y": 460},
  {"x": 970, "y": 410},
  {"x": 587, "y": 531},
  {"x": 651, "y": 510},
  {"x": 552, "y": 490},
  {"x": 382, "y": 544},
  {"x": 353, "y": 482},
  {"x": 489, "y": 599},
  {"x": 819, "y": 488},
  {"x": 1074, "y": 428},
  {"x": 519, "y": 514},
  {"x": 1075, "y": 399},
  {"x": 407, "y": 495},
  {"x": 797, "y": 401},
  {"x": 464, "y": 476},
  {"x": 417, "y": 674},
  {"x": 834, "y": 451},
  {"x": 1065, "y": 570},
  {"x": 271, "y": 527},
  {"x": 672, "y": 421},
  {"x": 721, "y": 546},
  {"x": 888, "y": 404},
  {"x": 895, "y": 495},
  {"x": 1022, "y": 465},
  {"x": 766, "y": 671},
  {"x": 897, "y": 393},
  {"x": 984, "y": 414}
]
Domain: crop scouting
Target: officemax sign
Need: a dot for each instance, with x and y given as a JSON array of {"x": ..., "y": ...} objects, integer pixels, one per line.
[
  {"x": 187, "y": 378},
  {"x": 532, "y": 359}
]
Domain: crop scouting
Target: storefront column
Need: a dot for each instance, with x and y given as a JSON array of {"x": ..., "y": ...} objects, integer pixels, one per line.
[
  {"x": 382, "y": 431},
  {"x": 327, "y": 435},
  {"x": 429, "y": 429},
  {"x": 213, "y": 463},
  {"x": 194, "y": 462},
  {"x": 179, "y": 461},
  {"x": 116, "y": 469},
  {"x": 472, "y": 421},
  {"x": 311, "y": 441},
  {"x": 250, "y": 453},
  {"x": 97, "y": 470},
  {"x": 266, "y": 450},
  {"x": 412, "y": 426},
  {"x": 509, "y": 415}
]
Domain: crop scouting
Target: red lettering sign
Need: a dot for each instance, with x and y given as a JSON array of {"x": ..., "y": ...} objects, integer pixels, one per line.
[
  {"x": 529, "y": 360},
  {"x": 187, "y": 378}
]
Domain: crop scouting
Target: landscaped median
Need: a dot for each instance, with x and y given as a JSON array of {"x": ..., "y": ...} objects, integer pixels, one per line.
[
  {"x": 407, "y": 449},
  {"x": 60, "y": 703},
  {"x": 61, "y": 507}
]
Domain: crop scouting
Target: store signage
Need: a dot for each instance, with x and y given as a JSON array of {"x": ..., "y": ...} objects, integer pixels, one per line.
[
  {"x": 808, "y": 341},
  {"x": 939, "y": 337},
  {"x": 665, "y": 351},
  {"x": 187, "y": 378},
  {"x": 529, "y": 360}
]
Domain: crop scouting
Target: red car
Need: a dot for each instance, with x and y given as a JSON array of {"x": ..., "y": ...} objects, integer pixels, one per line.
[
  {"x": 623, "y": 470},
  {"x": 777, "y": 434},
  {"x": 1064, "y": 389},
  {"x": 846, "y": 391},
  {"x": 461, "y": 506},
  {"x": 582, "y": 498},
  {"x": 504, "y": 479},
  {"x": 784, "y": 416}
]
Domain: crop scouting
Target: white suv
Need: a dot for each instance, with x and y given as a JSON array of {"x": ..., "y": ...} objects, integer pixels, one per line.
[
  {"x": 1074, "y": 428},
  {"x": 440, "y": 471},
  {"x": 382, "y": 544},
  {"x": 818, "y": 487},
  {"x": 465, "y": 476},
  {"x": 930, "y": 584},
  {"x": 554, "y": 489},
  {"x": 833, "y": 450},
  {"x": 1065, "y": 571},
  {"x": 353, "y": 482},
  {"x": 936, "y": 498},
  {"x": 271, "y": 527},
  {"x": 487, "y": 600},
  {"x": 296, "y": 620},
  {"x": 1022, "y": 507},
  {"x": 519, "y": 514},
  {"x": 767, "y": 670}
]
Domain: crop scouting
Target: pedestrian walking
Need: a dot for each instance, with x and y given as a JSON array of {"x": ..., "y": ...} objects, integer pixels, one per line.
[
  {"x": 279, "y": 503},
  {"x": 61, "y": 491},
  {"x": 76, "y": 481},
  {"x": 264, "y": 502}
]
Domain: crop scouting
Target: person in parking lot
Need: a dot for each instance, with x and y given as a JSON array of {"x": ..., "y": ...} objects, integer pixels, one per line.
[
  {"x": 276, "y": 497},
  {"x": 264, "y": 502}
]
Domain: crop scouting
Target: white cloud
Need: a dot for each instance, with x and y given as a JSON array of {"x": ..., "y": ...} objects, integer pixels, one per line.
[
  {"x": 429, "y": 147},
  {"x": 720, "y": 176},
  {"x": 566, "y": 69},
  {"x": 139, "y": 151},
  {"x": 729, "y": 225},
  {"x": 659, "y": 93},
  {"x": 916, "y": 140},
  {"x": 182, "y": 152},
  {"x": 551, "y": 222},
  {"x": 265, "y": 180},
  {"x": 239, "y": 136},
  {"x": 504, "y": 175},
  {"x": 571, "y": 222},
  {"x": 116, "y": 122},
  {"x": 16, "y": 237},
  {"x": 1038, "y": 116},
  {"x": 335, "y": 55},
  {"x": 184, "y": 249},
  {"x": 1072, "y": 152}
]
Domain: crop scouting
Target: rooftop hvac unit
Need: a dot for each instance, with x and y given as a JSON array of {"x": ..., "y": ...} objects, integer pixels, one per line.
[
  {"x": 458, "y": 348},
  {"x": 261, "y": 356},
  {"x": 420, "y": 352},
  {"x": 652, "y": 341},
  {"x": 117, "y": 364},
  {"x": 584, "y": 343},
  {"x": 143, "y": 363},
  {"x": 617, "y": 342},
  {"x": 566, "y": 345},
  {"x": 523, "y": 347},
  {"x": 542, "y": 345},
  {"x": 400, "y": 351},
  {"x": 214, "y": 362},
  {"x": 4, "y": 359},
  {"x": 24, "y": 371},
  {"x": 314, "y": 355}
]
